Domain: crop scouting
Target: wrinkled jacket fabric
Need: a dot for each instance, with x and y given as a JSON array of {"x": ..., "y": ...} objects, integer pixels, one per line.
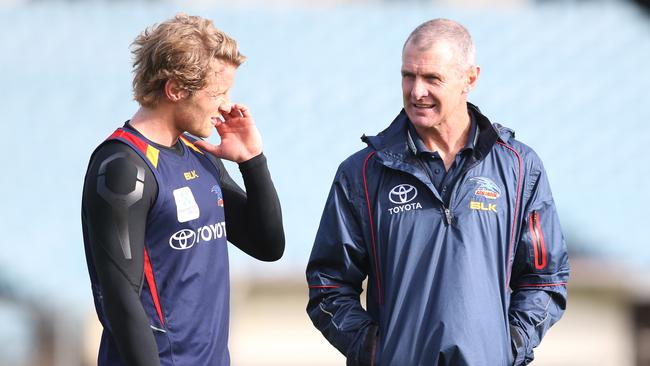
[{"x": 477, "y": 281}]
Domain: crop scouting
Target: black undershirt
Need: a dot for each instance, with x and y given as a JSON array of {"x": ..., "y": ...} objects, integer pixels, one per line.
[{"x": 253, "y": 223}]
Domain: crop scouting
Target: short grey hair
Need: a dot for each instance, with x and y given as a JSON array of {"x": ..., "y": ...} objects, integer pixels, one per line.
[{"x": 427, "y": 33}]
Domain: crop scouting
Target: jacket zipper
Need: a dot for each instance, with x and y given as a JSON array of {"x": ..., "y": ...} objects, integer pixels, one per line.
[
  {"x": 537, "y": 236},
  {"x": 445, "y": 209},
  {"x": 458, "y": 183},
  {"x": 447, "y": 214}
]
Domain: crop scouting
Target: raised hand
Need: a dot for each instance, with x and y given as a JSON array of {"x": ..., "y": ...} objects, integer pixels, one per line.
[{"x": 240, "y": 139}]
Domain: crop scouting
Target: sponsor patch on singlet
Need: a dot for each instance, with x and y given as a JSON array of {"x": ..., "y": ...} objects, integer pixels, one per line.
[{"x": 186, "y": 207}]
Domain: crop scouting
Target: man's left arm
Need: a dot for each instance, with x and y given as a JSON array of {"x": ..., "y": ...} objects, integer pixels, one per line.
[
  {"x": 540, "y": 270},
  {"x": 253, "y": 217}
]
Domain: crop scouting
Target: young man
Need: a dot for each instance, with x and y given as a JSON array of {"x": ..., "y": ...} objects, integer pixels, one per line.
[
  {"x": 451, "y": 219},
  {"x": 157, "y": 203}
]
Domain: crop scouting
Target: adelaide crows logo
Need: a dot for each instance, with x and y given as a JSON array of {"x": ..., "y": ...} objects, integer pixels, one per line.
[
  {"x": 485, "y": 187},
  {"x": 217, "y": 190}
]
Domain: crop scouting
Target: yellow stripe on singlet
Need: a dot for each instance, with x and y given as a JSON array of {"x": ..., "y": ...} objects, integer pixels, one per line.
[
  {"x": 152, "y": 155},
  {"x": 190, "y": 145}
]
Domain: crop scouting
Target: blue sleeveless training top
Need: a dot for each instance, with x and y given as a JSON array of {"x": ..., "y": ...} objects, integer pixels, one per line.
[{"x": 186, "y": 290}]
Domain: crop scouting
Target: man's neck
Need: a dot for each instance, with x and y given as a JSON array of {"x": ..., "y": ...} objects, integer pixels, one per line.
[
  {"x": 156, "y": 124},
  {"x": 448, "y": 138}
]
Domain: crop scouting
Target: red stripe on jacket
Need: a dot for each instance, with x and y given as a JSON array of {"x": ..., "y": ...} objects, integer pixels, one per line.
[{"x": 372, "y": 226}]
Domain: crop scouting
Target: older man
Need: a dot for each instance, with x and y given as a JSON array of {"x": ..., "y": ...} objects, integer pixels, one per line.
[
  {"x": 157, "y": 203},
  {"x": 451, "y": 219}
]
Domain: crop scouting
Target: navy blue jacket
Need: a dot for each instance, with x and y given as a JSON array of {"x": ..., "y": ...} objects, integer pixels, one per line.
[{"x": 475, "y": 282}]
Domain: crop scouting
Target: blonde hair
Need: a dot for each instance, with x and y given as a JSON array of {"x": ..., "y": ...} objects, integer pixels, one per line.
[{"x": 181, "y": 49}]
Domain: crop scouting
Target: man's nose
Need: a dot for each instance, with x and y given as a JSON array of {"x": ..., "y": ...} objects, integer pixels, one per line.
[
  {"x": 419, "y": 89},
  {"x": 223, "y": 101}
]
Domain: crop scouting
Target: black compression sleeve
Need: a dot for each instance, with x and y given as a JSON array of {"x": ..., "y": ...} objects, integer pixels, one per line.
[
  {"x": 254, "y": 217},
  {"x": 119, "y": 189}
]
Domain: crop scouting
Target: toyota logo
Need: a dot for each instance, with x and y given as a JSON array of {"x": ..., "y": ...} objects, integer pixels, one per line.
[
  {"x": 403, "y": 193},
  {"x": 182, "y": 239}
]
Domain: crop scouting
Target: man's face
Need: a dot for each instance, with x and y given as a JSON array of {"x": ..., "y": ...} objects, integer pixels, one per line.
[
  {"x": 434, "y": 86},
  {"x": 198, "y": 113}
]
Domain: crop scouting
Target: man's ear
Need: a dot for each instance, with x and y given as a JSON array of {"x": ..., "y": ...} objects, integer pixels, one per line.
[
  {"x": 472, "y": 78},
  {"x": 173, "y": 91}
]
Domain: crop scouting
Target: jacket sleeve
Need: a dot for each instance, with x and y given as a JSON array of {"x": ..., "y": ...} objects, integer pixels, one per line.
[
  {"x": 337, "y": 267},
  {"x": 540, "y": 269}
]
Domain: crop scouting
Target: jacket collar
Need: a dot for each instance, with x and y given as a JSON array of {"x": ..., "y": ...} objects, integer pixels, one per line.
[
  {"x": 394, "y": 141},
  {"x": 394, "y": 150}
]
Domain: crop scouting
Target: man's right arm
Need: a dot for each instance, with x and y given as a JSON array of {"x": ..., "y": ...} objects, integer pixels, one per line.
[
  {"x": 337, "y": 267},
  {"x": 118, "y": 191}
]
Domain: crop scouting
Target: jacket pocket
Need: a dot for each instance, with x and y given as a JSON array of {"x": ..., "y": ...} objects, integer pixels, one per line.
[{"x": 537, "y": 238}]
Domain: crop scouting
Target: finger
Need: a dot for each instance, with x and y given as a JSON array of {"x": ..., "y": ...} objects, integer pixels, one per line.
[
  {"x": 219, "y": 127},
  {"x": 235, "y": 112},
  {"x": 245, "y": 112},
  {"x": 215, "y": 150},
  {"x": 217, "y": 121},
  {"x": 225, "y": 109},
  {"x": 231, "y": 114}
]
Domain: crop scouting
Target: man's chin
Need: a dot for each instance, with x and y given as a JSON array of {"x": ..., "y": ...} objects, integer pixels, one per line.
[
  {"x": 202, "y": 133},
  {"x": 420, "y": 120}
]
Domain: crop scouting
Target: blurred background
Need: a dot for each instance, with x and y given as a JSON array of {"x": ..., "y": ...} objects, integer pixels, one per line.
[{"x": 570, "y": 77}]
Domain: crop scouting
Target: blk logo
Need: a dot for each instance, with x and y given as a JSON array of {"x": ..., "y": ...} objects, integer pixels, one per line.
[
  {"x": 190, "y": 175},
  {"x": 481, "y": 206}
]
